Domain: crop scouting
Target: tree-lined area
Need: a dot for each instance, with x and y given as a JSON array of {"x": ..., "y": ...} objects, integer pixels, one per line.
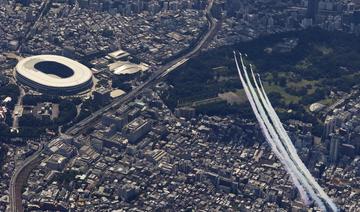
[{"x": 297, "y": 68}]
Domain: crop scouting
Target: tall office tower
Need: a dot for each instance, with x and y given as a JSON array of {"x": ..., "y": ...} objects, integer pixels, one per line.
[
  {"x": 330, "y": 124},
  {"x": 140, "y": 6},
  {"x": 312, "y": 9},
  {"x": 355, "y": 140},
  {"x": 334, "y": 147},
  {"x": 356, "y": 17}
]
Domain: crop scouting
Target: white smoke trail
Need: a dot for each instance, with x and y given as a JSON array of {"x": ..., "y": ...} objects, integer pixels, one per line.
[
  {"x": 278, "y": 142},
  {"x": 269, "y": 139},
  {"x": 278, "y": 139},
  {"x": 289, "y": 145}
]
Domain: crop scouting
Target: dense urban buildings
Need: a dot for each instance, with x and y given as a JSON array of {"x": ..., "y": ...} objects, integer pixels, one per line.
[{"x": 135, "y": 105}]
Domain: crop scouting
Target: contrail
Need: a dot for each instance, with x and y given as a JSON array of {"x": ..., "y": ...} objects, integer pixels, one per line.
[
  {"x": 299, "y": 168},
  {"x": 278, "y": 142},
  {"x": 269, "y": 139},
  {"x": 278, "y": 139},
  {"x": 288, "y": 143}
]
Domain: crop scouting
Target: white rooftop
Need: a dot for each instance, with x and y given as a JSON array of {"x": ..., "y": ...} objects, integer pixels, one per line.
[{"x": 25, "y": 67}]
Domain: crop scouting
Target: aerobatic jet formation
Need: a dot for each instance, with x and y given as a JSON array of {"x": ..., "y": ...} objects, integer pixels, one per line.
[{"x": 277, "y": 137}]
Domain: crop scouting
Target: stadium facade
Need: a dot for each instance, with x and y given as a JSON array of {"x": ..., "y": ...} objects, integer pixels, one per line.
[{"x": 54, "y": 74}]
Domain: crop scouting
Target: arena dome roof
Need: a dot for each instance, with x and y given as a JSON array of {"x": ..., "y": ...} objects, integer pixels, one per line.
[{"x": 53, "y": 73}]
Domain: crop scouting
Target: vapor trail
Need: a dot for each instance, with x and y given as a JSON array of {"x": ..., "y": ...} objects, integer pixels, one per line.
[
  {"x": 278, "y": 139},
  {"x": 288, "y": 143},
  {"x": 269, "y": 139},
  {"x": 290, "y": 149},
  {"x": 278, "y": 142}
]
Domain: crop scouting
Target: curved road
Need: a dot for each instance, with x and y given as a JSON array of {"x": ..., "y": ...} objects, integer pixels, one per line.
[{"x": 16, "y": 184}]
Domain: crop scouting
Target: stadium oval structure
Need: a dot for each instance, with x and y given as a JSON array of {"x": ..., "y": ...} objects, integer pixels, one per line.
[{"x": 54, "y": 74}]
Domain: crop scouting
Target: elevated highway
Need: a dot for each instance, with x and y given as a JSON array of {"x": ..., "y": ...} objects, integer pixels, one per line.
[{"x": 18, "y": 180}]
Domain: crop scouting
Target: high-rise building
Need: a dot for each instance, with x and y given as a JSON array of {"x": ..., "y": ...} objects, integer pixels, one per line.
[
  {"x": 312, "y": 9},
  {"x": 334, "y": 147},
  {"x": 329, "y": 126}
]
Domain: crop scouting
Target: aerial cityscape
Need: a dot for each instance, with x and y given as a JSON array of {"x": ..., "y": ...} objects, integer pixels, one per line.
[{"x": 180, "y": 105}]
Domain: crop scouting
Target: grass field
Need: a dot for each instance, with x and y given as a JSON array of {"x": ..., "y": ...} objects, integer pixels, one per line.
[{"x": 321, "y": 62}]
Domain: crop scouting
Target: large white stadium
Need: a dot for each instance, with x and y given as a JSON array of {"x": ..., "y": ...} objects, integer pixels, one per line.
[{"x": 54, "y": 74}]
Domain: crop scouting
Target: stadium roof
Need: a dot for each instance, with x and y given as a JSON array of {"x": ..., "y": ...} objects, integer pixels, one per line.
[{"x": 52, "y": 73}]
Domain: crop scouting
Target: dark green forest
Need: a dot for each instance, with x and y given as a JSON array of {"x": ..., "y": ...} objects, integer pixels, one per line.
[{"x": 319, "y": 62}]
